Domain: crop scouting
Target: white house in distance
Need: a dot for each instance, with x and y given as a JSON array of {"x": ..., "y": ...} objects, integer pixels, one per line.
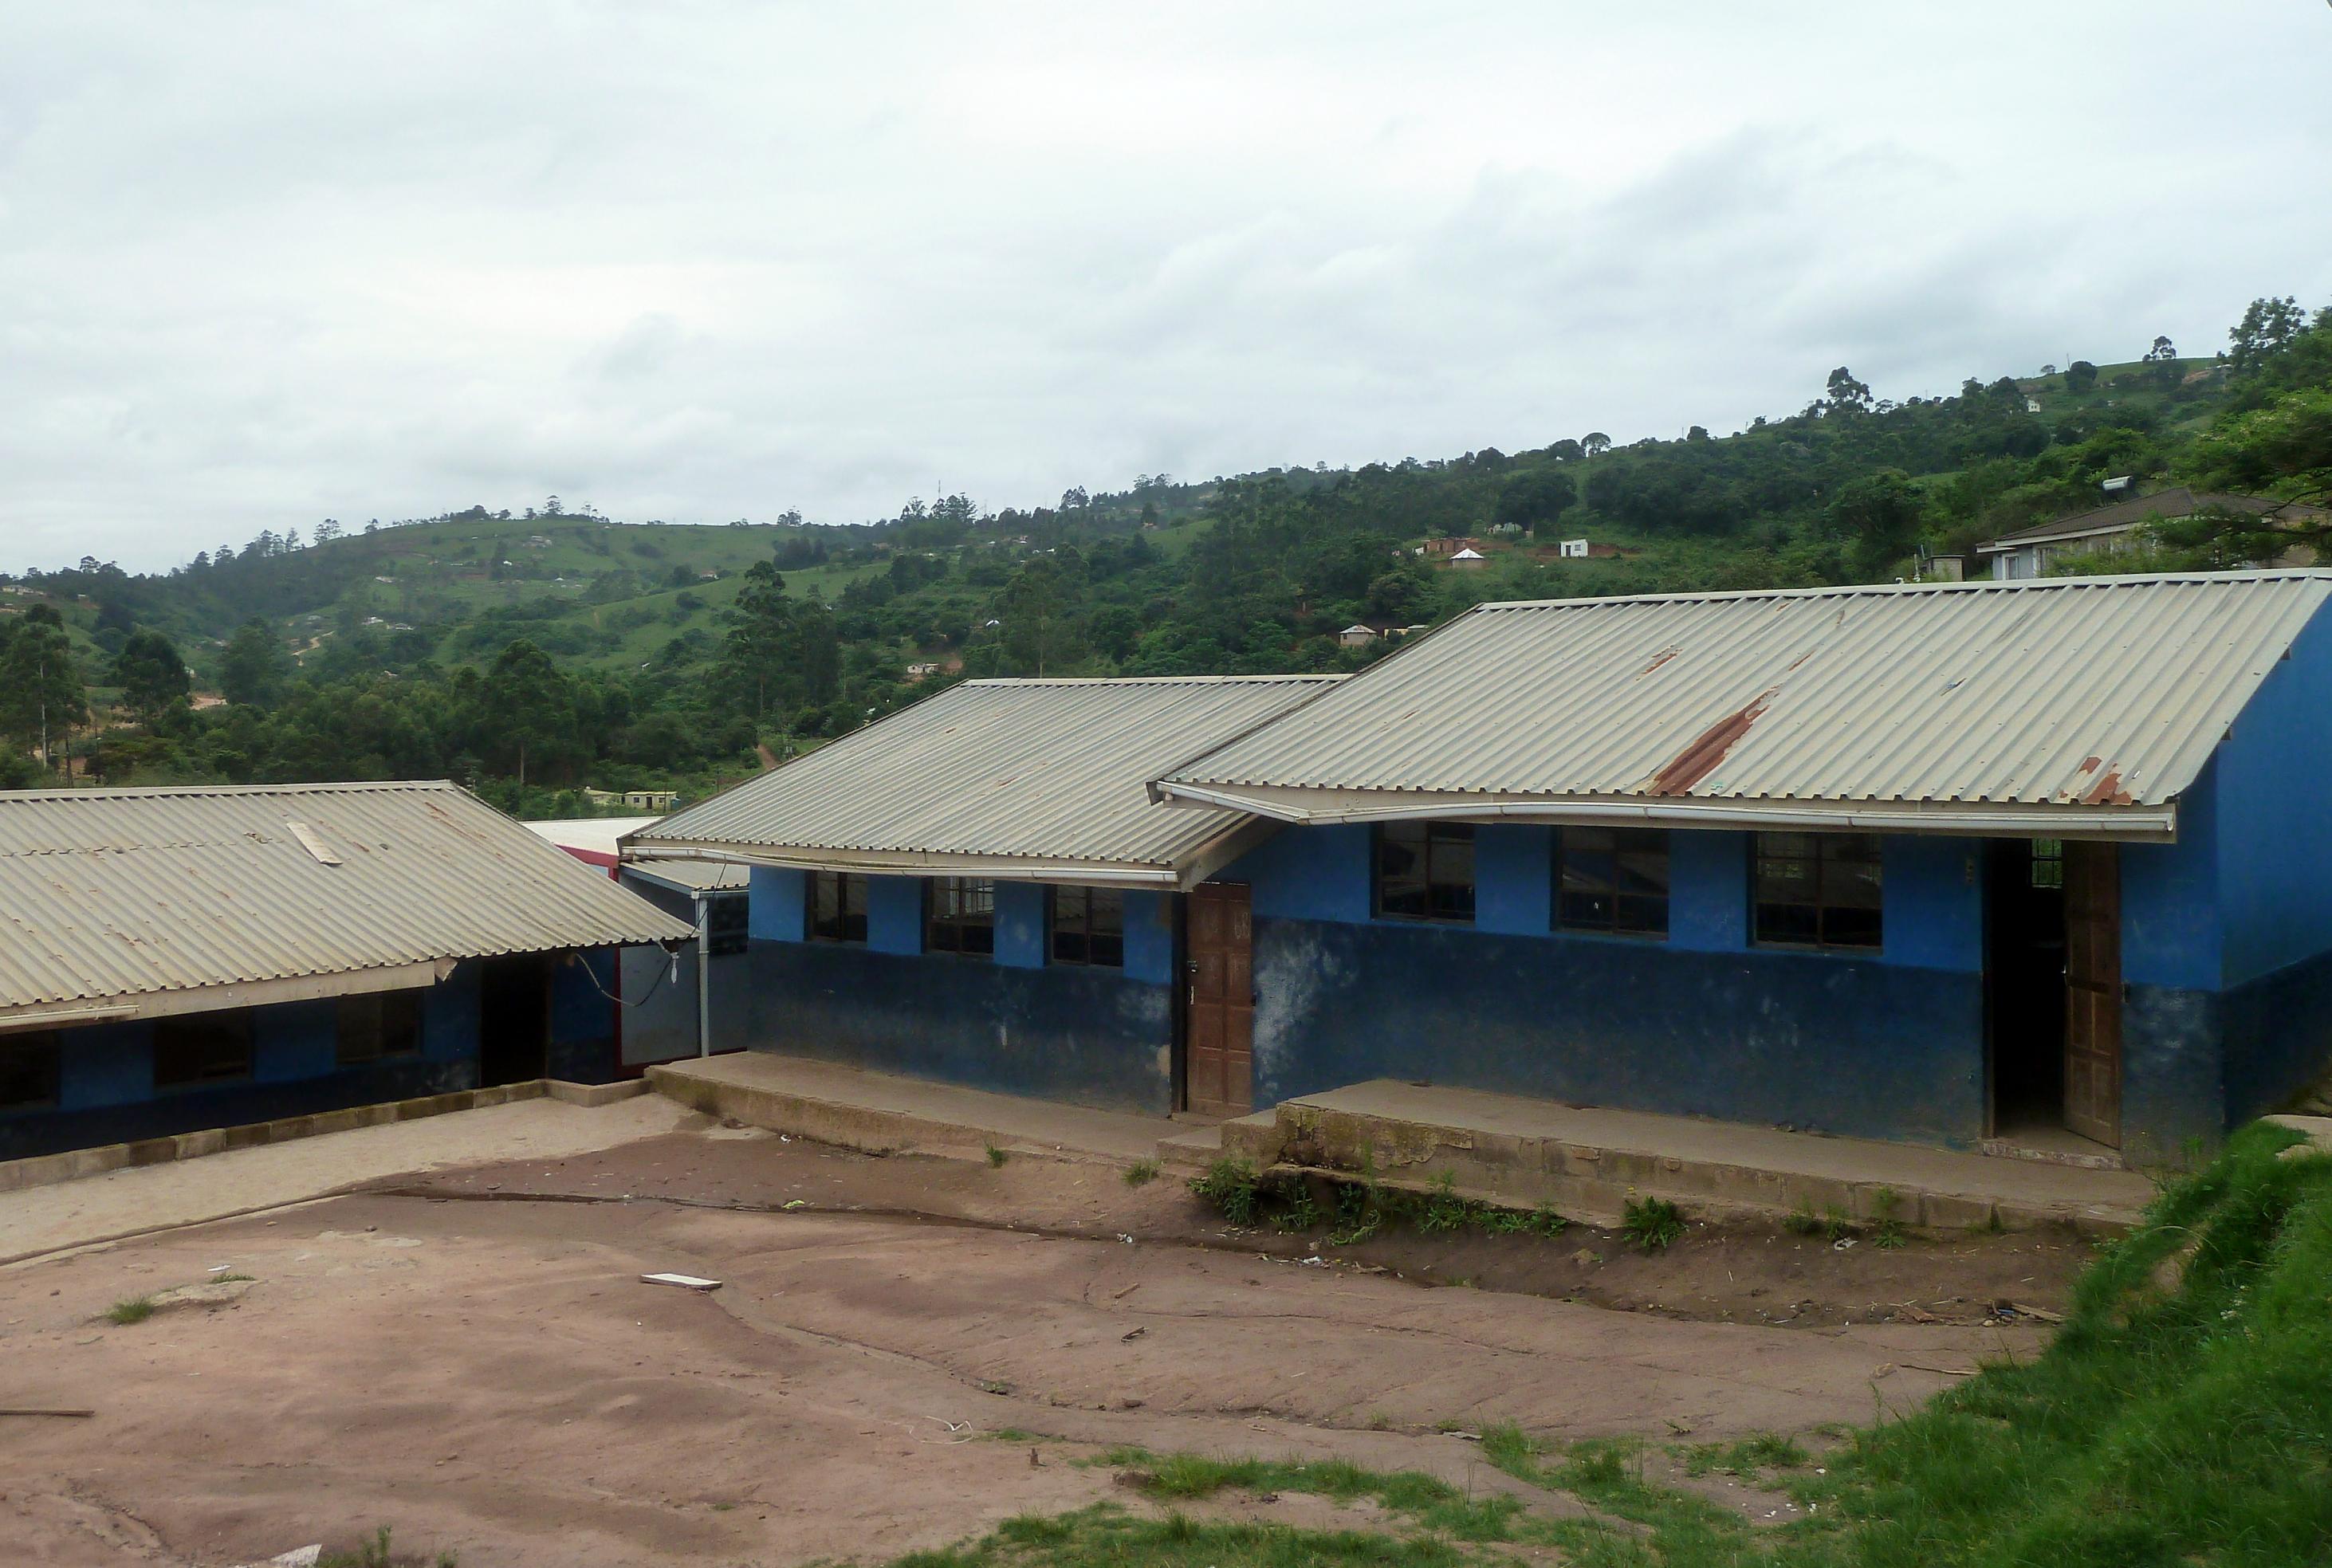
[
  {"x": 1469, "y": 561},
  {"x": 2030, "y": 552}
]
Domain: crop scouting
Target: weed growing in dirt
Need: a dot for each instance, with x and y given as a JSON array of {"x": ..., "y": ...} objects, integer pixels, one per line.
[
  {"x": 379, "y": 1553},
  {"x": 1651, "y": 1223},
  {"x": 1803, "y": 1220},
  {"x": 1142, "y": 1173},
  {"x": 998, "y": 1156},
  {"x": 131, "y": 1309},
  {"x": 1231, "y": 1189},
  {"x": 1887, "y": 1227},
  {"x": 1444, "y": 1209},
  {"x": 1297, "y": 1211}
]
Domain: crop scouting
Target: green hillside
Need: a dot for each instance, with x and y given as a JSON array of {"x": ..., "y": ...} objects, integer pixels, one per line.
[{"x": 587, "y": 652}]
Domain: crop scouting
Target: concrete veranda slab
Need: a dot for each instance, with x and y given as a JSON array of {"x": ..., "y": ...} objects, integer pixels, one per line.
[
  {"x": 881, "y": 1113},
  {"x": 1592, "y": 1156}
]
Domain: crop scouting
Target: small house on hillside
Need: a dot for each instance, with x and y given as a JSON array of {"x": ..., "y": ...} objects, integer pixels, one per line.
[
  {"x": 187, "y": 958},
  {"x": 2030, "y": 552},
  {"x": 1443, "y": 546},
  {"x": 2038, "y": 862},
  {"x": 1469, "y": 561}
]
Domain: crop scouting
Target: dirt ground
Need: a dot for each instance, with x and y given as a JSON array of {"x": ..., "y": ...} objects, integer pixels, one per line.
[{"x": 918, "y": 1350}]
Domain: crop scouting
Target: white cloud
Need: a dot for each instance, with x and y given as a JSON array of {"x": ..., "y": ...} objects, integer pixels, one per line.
[{"x": 264, "y": 263}]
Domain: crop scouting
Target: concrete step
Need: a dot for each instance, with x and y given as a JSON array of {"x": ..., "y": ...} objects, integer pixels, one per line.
[
  {"x": 1589, "y": 1163},
  {"x": 1193, "y": 1150}
]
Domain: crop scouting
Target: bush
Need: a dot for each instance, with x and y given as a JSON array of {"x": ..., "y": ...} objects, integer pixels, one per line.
[{"x": 1651, "y": 1223}]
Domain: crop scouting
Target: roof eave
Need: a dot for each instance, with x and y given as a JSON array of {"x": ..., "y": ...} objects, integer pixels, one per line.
[{"x": 2146, "y": 824}]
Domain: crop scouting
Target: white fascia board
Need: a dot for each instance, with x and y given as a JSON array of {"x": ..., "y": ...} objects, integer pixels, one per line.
[{"x": 224, "y": 997}]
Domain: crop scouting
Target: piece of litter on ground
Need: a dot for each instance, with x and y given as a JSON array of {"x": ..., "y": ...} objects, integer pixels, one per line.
[
  {"x": 685, "y": 1281},
  {"x": 794, "y": 1203},
  {"x": 1133, "y": 1334}
]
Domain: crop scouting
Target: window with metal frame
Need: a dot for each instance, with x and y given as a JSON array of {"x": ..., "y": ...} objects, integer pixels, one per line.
[
  {"x": 838, "y": 906},
  {"x": 960, "y": 916},
  {"x": 1611, "y": 879},
  {"x": 202, "y": 1048},
  {"x": 1818, "y": 890},
  {"x": 1425, "y": 870},
  {"x": 383, "y": 1024},
  {"x": 1089, "y": 926},
  {"x": 31, "y": 1066},
  {"x": 2049, "y": 862}
]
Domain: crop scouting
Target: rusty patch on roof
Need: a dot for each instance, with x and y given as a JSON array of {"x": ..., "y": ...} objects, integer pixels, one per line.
[
  {"x": 2107, "y": 791},
  {"x": 1662, "y": 657},
  {"x": 1699, "y": 760},
  {"x": 2091, "y": 764}
]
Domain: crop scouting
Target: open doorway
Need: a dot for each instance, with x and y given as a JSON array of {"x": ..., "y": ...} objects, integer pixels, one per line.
[
  {"x": 514, "y": 1018},
  {"x": 2052, "y": 997}
]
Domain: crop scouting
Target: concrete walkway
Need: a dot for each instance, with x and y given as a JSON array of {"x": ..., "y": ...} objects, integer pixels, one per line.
[
  {"x": 883, "y": 1113},
  {"x": 36, "y": 1220},
  {"x": 1588, "y": 1161}
]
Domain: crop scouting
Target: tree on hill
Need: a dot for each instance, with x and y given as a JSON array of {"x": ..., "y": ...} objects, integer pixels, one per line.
[
  {"x": 255, "y": 666},
  {"x": 1535, "y": 497},
  {"x": 528, "y": 704},
  {"x": 1879, "y": 515},
  {"x": 1595, "y": 443},
  {"x": 2079, "y": 377},
  {"x": 153, "y": 678},
  {"x": 1845, "y": 392},
  {"x": 42, "y": 696}
]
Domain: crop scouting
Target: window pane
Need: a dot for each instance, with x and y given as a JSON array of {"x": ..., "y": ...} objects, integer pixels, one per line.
[
  {"x": 28, "y": 1070},
  {"x": 1592, "y": 911},
  {"x": 201, "y": 1049},
  {"x": 1642, "y": 916},
  {"x": 1403, "y": 897},
  {"x": 1788, "y": 922},
  {"x": 1108, "y": 950},
  {"x": 1070, "y": 946}
]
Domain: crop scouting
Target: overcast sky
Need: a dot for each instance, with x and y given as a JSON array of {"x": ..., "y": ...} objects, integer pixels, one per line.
[{"x": 261, "y": 264}]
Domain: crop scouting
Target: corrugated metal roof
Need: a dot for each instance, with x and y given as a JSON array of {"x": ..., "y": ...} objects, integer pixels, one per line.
[
  {"x": 109, "y": 894},
  {"x": 2098, "y": 695},
  {"x": 1037, "y": 779}
]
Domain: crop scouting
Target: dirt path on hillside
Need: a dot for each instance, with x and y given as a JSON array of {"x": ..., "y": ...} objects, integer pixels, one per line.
[{"x": 487, "y": 1373}]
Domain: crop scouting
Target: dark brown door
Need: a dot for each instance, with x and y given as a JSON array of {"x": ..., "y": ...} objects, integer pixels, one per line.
[
  {"x": 2093, "y": 991},
  {"x": 1219, "y": 1010}
]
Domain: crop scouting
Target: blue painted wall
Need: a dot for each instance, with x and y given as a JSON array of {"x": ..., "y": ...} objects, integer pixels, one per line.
[
  {"x": 582, "y": 1018},
  {"x": 779, "y": 910},
  {"x": 1888, "y": 1045},
  {"x": 2274, "y": 880},
  {"x": 1013, "y": 1022}
]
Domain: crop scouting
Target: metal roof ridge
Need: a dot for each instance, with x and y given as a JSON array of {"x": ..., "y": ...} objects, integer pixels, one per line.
[
  {"x": 1851, "y": 590},
  {"x": 212, "y": 791},
  {"x": 1149, "y": 680}
]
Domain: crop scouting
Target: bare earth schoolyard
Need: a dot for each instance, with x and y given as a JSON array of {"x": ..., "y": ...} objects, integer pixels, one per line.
[{"x": 919, "y": 1349}]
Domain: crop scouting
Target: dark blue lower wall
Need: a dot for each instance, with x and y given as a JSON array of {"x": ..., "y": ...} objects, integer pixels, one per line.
[
  {"x": 1088, "y": 1037},
  {"x": 2278, "y": 1030},
  {"x": 1805, "y": 1040},
  {"x": 106, "y": 1092}
]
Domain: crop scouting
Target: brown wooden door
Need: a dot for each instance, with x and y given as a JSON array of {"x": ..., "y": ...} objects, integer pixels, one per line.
[
  {"x": 2093, "y": 991},
  {"x": 1218, "y": 1006}
]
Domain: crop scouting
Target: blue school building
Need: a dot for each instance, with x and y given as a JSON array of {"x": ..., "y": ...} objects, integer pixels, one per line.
[{"x": 2036, "y": 865}]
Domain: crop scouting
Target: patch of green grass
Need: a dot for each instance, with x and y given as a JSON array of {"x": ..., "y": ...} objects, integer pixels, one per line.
[
  {"x": 131, "y": 1309},
  {"x": 1766, "y": 1451},
  {"x": 1231, "y": 1189},
  {"x": 1651, "y": 1223},
  {"x": 996, "y": 1156},
  {"x": 1142, "y": 1173}
]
